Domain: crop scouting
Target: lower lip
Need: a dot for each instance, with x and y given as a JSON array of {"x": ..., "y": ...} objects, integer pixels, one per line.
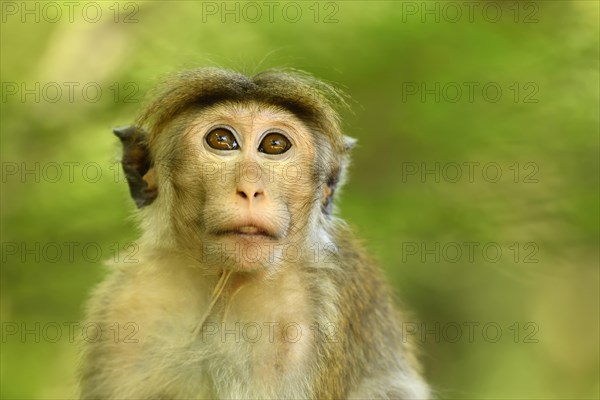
[{"x": 251, "y": 236}]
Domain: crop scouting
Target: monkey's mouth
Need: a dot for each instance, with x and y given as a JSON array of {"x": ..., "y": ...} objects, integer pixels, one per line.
[{"x": 250, "y": 231}]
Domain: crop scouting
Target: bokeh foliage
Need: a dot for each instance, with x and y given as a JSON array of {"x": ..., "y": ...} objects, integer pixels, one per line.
[{"x": 375, "y": 50}]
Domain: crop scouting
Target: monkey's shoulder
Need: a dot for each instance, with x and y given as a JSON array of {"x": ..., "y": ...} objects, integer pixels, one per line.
[{"x": 148, "y": 296}]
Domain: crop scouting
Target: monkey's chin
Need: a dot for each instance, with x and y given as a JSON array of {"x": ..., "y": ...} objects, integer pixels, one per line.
[{"x": 244, "y": 252}]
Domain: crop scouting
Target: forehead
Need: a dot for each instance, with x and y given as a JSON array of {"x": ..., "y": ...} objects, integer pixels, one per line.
[{"x": 250, "y": 113}]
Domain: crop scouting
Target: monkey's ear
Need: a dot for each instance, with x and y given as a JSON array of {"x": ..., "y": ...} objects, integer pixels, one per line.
[
  {"x": 337, "y": 177},
  {"x": 349, "y": 143},
  {"x": 137, "y": 165}
]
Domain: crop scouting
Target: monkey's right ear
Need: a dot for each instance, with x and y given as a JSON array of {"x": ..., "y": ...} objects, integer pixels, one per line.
[
  {"x": 337, "y": 177},
  {"x": 137, "y": 165}
]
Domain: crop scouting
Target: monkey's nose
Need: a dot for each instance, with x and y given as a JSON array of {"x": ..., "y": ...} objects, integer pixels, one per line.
[{"x": 250, "y": 193}]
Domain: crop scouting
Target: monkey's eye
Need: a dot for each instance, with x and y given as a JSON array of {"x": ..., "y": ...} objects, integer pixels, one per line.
[
  {"x": 221, "y": 139},
  {"x": 274, "y": 143}
]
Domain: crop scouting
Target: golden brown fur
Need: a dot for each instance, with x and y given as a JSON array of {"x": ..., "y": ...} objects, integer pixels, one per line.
[{"x": 307, "y": 315}]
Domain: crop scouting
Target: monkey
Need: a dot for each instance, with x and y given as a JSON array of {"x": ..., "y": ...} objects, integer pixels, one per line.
[{"x": 246, "y": 283}]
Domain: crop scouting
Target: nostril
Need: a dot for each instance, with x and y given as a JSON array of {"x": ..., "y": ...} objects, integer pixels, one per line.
[{"x": 250, "y": 194}]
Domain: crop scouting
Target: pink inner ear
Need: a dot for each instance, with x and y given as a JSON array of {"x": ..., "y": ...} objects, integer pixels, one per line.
[{"x": 150, "y": 179}]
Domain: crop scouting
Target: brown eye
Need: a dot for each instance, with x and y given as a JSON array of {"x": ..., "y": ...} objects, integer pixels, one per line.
[
  {"x": 221, "y": 139},
  {"x": 274, "y": 143}
]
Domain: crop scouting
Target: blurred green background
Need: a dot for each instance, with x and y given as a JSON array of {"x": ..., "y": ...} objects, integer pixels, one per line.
[{"x": 541, "y": 133}]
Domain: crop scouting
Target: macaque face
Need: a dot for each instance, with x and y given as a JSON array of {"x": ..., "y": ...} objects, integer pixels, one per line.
[{"x": 243, "y": 185}]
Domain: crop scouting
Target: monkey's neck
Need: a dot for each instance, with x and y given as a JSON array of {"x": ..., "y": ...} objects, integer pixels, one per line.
[
  {"x": 227, "y": 286},
  {"x": 216, "y": 294}
]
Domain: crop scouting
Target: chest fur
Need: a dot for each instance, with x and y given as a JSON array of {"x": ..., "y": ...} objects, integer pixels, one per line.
[{"x": 255, "y": 343}]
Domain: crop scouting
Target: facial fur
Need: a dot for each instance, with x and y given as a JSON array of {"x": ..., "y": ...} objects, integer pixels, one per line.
[{"x": 240, "y": 209}]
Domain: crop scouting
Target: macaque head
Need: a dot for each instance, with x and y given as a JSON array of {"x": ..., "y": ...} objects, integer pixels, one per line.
[{"x": 237, "y": 172}]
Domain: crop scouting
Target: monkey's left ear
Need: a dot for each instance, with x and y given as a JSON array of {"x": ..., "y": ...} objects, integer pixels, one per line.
[
  {"x": 337, "y": 177},
  {"x": 349, "y": 143},
  {"x": 137, "y": 165}
]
